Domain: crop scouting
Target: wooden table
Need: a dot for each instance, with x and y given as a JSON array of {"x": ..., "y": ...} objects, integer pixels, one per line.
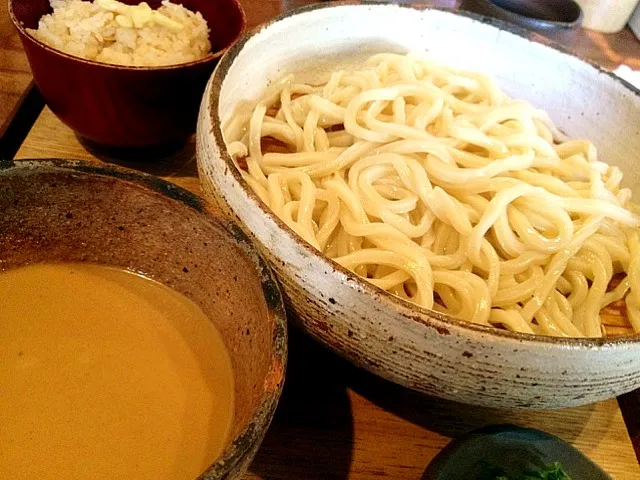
[{"x": 335, "y": 421}]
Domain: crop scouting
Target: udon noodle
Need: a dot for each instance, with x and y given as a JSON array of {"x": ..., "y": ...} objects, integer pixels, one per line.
[{"x": 437, "y": 187}]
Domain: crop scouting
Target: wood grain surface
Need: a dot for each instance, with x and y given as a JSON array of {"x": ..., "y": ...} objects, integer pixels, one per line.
[
  {"x": 335, "y": 421},
  {"x": 15, "y": 74}
]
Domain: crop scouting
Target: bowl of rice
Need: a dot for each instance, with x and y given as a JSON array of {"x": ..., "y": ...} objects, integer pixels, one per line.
[{"x": 126, "y": 74}]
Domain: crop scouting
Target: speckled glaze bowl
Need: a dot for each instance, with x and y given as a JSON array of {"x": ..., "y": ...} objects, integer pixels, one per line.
[
  {"x": 73, "y": 211},
  {"x": 413, "y": 346}
]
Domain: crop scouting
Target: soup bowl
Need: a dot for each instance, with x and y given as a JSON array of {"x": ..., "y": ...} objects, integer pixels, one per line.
[
  {"x": 63, "y": 211},
  {"x": 126, "y": 106},
  {"x": 413, "y": 346}
]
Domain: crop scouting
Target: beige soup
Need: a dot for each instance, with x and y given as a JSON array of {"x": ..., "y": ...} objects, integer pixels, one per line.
[{"x": 105, "y": 374}]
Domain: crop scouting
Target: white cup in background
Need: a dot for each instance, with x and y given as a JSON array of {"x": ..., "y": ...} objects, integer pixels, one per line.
[{"x": 606, "y": 16}]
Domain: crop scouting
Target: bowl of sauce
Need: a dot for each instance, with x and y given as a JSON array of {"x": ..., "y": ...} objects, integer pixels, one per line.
[{"x": 140, "y": 336}]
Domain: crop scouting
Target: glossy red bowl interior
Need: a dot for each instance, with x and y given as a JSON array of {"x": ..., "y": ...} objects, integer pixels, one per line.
[{"x": 120, "y": 106}]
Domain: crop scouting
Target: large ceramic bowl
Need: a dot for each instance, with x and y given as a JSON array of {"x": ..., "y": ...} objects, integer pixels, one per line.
[
  {"x": 123, "y": 106},
  {"x": 413, "y": 346},
  {"x": 78, "y": 212}
]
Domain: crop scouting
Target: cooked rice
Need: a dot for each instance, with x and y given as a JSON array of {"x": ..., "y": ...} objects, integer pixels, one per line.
[{"x": 86, "y": 30}]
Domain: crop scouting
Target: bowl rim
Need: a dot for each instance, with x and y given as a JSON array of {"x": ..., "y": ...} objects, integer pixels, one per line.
[
  {"x": 209, "y": 57},
  {"x": 241, "y": 447},
  {"x": 429, "y": 318}
]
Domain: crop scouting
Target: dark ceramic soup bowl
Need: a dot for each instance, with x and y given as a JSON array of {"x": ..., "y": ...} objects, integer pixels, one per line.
[
  {"x": 55, "y": 210},
  {"x": 122, "y": 106}
]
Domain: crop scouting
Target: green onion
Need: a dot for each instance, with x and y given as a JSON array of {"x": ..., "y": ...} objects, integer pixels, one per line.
[{"x": 553, "y": 471}]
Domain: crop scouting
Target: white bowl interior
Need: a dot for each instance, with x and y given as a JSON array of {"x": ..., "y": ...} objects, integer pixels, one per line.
[{"x": 324, "y": 40}]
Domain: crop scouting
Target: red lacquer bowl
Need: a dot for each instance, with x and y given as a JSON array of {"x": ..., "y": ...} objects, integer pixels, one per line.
[{"x": 120, "y": 106}]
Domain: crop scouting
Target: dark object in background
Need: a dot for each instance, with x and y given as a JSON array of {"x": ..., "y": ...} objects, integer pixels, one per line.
[
  {"x": 122, "y": 106},
  {"x": 512, "y": 449},
  {"x": 533, "y": 14}
]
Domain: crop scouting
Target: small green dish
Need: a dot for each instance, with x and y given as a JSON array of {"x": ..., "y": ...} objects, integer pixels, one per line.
[{"x": 511, "y": 448}]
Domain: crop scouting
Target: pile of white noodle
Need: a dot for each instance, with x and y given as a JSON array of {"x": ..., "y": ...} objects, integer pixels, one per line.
[{"x": 434, "y": 185}]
